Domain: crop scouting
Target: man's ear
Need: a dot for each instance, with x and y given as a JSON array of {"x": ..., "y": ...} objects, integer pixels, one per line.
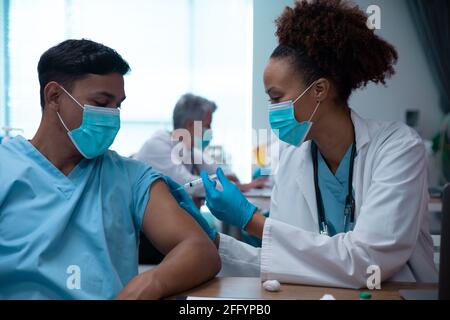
[
  {"x": 321, "y": 89},
  {"x": 52, "y": 96}
]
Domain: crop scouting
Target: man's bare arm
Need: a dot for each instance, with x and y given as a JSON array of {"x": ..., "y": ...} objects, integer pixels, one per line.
[{"x": 191, "y": 258}]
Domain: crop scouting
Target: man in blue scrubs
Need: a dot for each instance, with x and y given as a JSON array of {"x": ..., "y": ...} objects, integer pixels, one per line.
[{"x": 71, "y": 210}]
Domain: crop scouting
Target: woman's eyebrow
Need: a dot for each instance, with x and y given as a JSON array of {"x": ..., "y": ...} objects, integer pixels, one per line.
[{"x": 271, "y": 90}]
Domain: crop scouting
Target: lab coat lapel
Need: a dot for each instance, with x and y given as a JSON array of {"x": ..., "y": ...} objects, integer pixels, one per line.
[
  {"x": 305, "y": 177},
  {"x": 362, "y": 135},
  {"x": 361, "y": 131},
  {"x": 305, "y": 180}
]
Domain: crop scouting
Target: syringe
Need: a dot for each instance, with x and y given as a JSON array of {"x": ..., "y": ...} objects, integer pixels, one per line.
[{"x": 196, "y": 182}]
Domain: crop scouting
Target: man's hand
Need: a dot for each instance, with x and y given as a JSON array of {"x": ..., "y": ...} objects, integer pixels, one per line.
[{"x": 142, "y": 287}]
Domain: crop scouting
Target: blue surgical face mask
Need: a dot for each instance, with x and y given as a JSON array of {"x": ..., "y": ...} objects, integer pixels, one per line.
[
  {"x": 285, "y": 125},
  {"x": 97, "y": 131},
  {"x": 203, "y": 142}
]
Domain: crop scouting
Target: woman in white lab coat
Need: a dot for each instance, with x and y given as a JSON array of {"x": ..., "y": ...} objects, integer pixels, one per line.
[{"x": 350, "y": 193}]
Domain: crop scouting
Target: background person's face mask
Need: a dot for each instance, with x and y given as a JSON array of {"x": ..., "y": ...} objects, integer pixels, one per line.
[
  {"x": 201, "y": 143},
  {"x": 285, "y": 125},
  {"x": 97, "y": 131}
]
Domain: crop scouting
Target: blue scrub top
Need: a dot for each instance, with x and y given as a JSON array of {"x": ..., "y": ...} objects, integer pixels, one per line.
[
  {"x": 52, "y": 225},
  {"x": 334, "y": 190}
]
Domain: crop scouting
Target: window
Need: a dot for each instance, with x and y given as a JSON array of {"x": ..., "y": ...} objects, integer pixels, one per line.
[
  {"x": 172, "y": 46},
  {"x": 4, "y": 75}
]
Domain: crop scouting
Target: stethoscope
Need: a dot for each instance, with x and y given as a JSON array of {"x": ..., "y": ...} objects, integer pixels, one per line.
[{"x": 349, "y": 211}]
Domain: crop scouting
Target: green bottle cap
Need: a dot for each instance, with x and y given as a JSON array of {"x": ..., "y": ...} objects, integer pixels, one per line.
[{"x": 365, "y": 296}]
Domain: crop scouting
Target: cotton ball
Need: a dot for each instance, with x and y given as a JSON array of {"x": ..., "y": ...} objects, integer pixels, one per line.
[
  {"x": 272, "y": 285},
  {"x": 328, "y": 297}
]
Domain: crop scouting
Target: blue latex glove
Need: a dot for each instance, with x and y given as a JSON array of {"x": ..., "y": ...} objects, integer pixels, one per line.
[
  {"x": 185, "y": 201},
  {"x": 229, "y": 205}
]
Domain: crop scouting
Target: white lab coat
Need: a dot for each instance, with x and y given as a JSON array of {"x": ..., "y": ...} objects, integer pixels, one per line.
[{"x": 391, "y": 231}]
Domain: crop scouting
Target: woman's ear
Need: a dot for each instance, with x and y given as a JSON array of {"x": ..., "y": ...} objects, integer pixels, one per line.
[
  {"x": 52, "y": 96},
  {"x": 321, "y": 90}
]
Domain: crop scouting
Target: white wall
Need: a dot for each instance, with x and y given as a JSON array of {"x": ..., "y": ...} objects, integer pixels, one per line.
[
  {"x": 411, "y": 88},
  {"x": 264, "y": 42}
]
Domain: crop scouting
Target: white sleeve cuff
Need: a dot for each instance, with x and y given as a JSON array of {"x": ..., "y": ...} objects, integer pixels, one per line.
[{"x": 238, "y": 258}]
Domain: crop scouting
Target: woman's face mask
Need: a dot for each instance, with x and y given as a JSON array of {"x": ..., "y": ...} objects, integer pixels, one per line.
[{"x": 285, "y": 125}]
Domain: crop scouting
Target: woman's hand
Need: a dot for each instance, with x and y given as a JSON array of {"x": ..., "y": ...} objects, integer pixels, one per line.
[{"x": 229, "y": 205}]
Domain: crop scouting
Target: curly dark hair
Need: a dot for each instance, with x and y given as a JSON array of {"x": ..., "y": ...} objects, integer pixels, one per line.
[{"x": 330, "y": 38}]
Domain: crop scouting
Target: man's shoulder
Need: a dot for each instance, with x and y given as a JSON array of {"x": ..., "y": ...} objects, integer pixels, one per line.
[
  {"x": 111, "y": 157},
  {"x": 131, "y": 167},
  {"x": 14, "y": 163},
  {"x": 12, "y": 152}
]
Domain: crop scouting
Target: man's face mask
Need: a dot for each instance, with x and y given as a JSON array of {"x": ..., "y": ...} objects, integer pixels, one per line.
[{"x": 97, "y": 131}]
